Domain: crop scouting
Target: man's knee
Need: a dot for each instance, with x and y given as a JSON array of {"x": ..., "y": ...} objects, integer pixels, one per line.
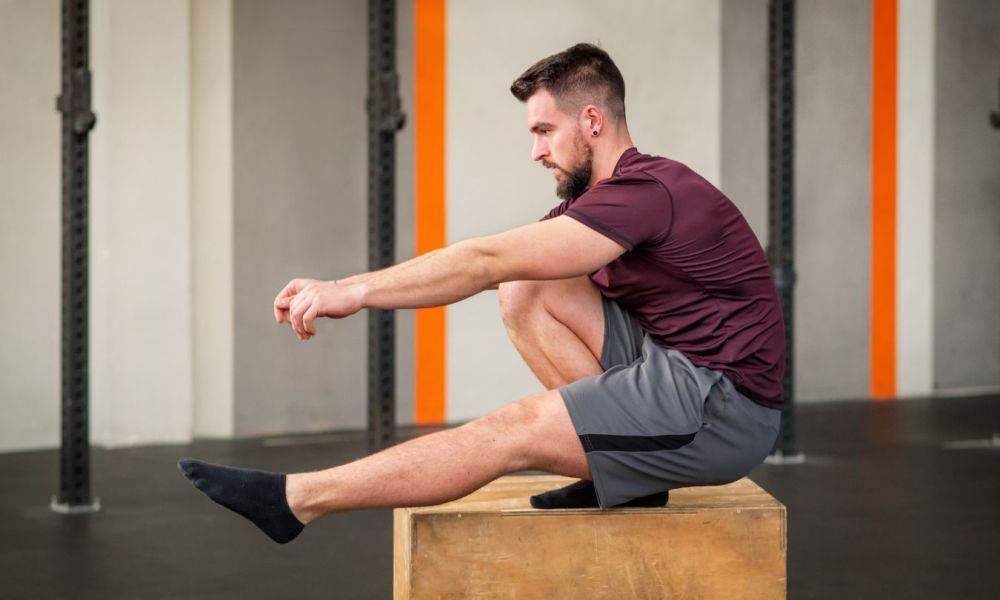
[{"x": 517, "y": 300}]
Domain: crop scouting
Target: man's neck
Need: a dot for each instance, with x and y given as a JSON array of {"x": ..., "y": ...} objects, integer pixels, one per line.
[{"x": 606, "y": 157}]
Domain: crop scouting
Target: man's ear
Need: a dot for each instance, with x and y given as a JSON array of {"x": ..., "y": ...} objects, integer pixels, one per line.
[{"x": 592, "y": 119}]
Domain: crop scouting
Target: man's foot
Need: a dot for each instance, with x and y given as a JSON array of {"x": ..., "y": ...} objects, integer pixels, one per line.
[
  {"x": 257, "y": 495},
  {"x": 583, "y": 495}
]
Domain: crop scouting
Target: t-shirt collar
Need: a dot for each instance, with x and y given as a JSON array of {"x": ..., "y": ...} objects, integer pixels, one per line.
[{"x": 623, "y": 159}]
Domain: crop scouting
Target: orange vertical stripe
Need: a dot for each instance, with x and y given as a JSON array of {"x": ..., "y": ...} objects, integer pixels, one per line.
[
  {"x": 429, "y": 130},
  {"x": 883, "y": 283}
]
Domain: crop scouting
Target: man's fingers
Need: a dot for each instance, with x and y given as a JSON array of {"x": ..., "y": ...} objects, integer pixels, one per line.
[
  {"x": 293, "y": 318},
  {"x": 284, "y": 297},
  {"x": 297, "y": 304},
  {"x": 281, "y": 306},
  {"x": 281, "y": 302},
  {"x": 281, "y": 310},
  {"x": 298, "y": 307},
  {"x": 307, "y": 320}
]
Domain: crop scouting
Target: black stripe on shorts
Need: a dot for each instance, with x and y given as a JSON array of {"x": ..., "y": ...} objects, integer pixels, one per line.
[{"x": 595, "y": 442}]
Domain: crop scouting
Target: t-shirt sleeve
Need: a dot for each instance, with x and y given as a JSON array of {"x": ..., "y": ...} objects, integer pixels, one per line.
[
  {"x": 555, "y": 212},
  {"x": 629, "y": 211}
]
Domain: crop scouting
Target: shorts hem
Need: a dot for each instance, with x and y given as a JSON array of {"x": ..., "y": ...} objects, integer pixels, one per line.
[{"x": 598, "y": 481}]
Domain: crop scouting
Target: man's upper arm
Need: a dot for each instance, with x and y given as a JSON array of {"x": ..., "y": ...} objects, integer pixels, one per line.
[{"x": 552, "y": 249}]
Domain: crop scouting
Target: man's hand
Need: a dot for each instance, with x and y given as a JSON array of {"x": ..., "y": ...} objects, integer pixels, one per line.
[{"x": 303, "y": 300}]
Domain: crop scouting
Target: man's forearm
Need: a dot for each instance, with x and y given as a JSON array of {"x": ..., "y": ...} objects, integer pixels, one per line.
[
  {"x": 363, "y": 277},
  {"x": 437, "y": 278}
]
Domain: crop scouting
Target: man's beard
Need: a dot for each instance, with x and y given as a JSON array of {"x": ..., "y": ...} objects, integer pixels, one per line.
[{"x": 578, "y": 179}]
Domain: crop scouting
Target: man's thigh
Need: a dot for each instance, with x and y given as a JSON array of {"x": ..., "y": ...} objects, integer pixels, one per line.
[{"x": 543, "y": 435}]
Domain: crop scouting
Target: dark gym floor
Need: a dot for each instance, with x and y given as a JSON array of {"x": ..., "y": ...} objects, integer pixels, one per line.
[{"x": 895, "y": 500}]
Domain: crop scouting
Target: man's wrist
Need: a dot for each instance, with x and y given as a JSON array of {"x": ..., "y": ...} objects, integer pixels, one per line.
[{"x": 360, "y": 291}]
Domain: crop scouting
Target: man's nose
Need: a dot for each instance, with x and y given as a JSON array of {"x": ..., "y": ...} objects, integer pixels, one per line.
[{"x": 539, "y": 150}]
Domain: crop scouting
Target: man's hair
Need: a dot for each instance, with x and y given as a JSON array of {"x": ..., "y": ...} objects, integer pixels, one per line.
[{"x": 580, "y": 75}]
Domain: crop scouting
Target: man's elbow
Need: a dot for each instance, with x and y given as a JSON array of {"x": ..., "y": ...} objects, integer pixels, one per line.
[{"x": 481, "y": 262}]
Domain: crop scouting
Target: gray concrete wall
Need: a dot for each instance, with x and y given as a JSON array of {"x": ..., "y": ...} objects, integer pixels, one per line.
[
  {"x": 833, "y": 198},
  {"x": 405, "y": 239},
  {"x": 300, "y": 157},
  {"x": 967, "y": 196},
  {"x": 744, "y": 109},
  {"x": 832, "y": 176}
]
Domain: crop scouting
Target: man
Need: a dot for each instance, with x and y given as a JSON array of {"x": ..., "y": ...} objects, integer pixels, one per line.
[{"x": 643, "y": 303}]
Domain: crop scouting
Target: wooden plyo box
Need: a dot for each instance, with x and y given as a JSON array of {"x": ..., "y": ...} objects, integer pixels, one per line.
[{"x": 722, "y": 542}]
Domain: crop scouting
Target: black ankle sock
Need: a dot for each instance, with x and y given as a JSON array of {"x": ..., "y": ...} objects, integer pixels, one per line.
[
  {"x": 652, "y": 500},
  {"x": 583, "y": 495},
  {"x": 575, "y": 495},
  {"x": 257, "y": 495}
]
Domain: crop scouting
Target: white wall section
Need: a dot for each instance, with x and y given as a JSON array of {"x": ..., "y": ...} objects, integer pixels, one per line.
[
  {"x": 915, "y": 200},
  {"x": 141, "y": 380},
  {"x": 30, "y": 217},
  {"x": 212, "y": 215}
]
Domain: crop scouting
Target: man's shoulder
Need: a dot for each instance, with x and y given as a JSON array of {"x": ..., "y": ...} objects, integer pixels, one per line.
[
  {"x": 635, "y": 167},
  {"x": 646, "y": 177},
  {"x": 650, "y": 166},
  {"x": 623, "y": 188},
  {"x": 675, "y": 176}
]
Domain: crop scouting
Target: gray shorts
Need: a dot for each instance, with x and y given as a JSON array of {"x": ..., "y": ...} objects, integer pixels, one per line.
[{"x": 653, "y": 421}]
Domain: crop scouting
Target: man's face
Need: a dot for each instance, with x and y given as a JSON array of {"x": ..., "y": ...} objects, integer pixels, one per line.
[{"x": 560, "y": 145}]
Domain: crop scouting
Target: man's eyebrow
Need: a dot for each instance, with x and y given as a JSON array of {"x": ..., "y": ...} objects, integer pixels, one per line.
[{"x": 540, "y": 125}]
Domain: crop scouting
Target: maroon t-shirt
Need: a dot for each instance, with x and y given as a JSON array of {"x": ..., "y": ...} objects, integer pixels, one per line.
[{"x": 694, "y": 275}]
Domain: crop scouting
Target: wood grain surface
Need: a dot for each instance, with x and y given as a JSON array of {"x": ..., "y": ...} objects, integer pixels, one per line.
[{"x": 708, "y": 542}]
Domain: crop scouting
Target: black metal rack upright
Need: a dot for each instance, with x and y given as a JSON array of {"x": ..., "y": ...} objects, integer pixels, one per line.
[
  {"x": 385, "y": 118},
  {"x": 781, "y": 199},
  {"x": 77, "y": 121}
]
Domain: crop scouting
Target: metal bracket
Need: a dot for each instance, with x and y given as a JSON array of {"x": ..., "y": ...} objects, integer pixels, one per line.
[
  {"x": 75, "y": 102},
  {"x": 388, "y": 113}
]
